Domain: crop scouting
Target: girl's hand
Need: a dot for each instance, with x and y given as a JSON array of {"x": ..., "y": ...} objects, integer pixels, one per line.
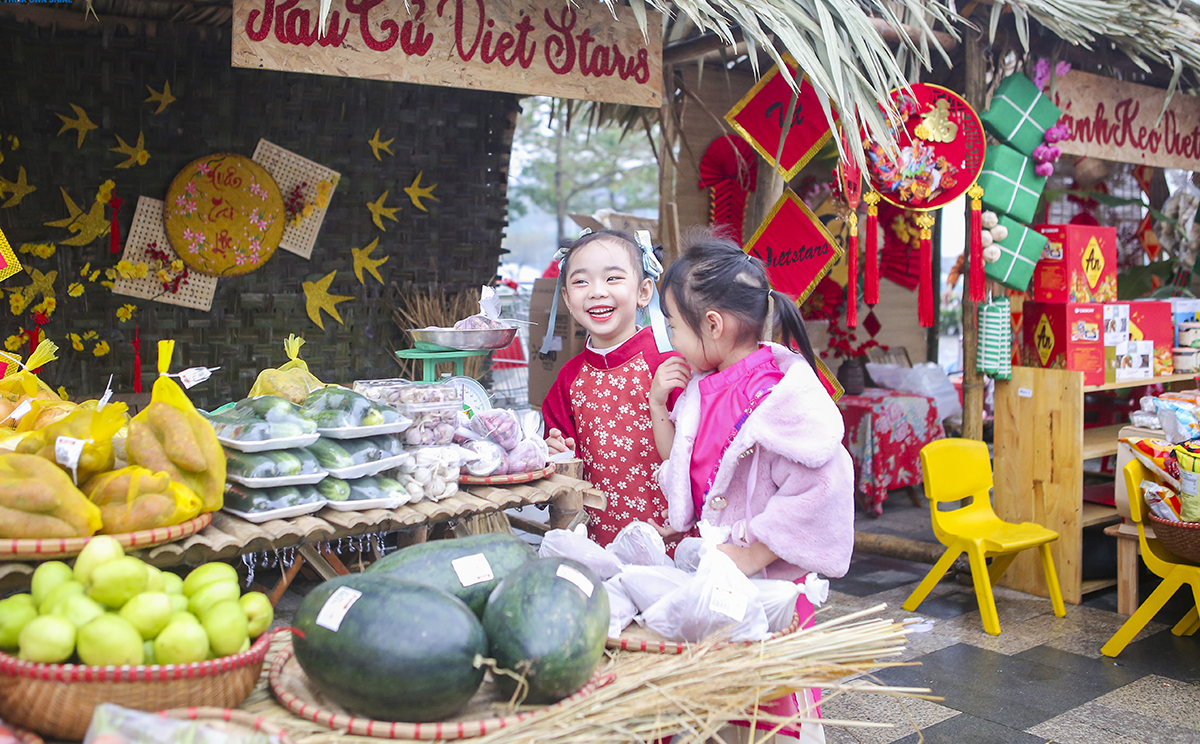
[
  {"x": 671, "y": 374},
  {"x": 750, "y": 559},
  {"x": 556, "y": 442},
  {"x": 667, "y": 533}
]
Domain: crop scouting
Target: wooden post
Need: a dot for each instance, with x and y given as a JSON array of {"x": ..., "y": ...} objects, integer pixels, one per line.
[
  {"x": 667, "y": 236},
  {"x": 766, "y": 193},
  {"x": 974, "y": 91}
]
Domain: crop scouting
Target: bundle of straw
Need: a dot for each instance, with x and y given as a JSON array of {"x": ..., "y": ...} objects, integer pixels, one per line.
[{"x": 434, "y": 306}]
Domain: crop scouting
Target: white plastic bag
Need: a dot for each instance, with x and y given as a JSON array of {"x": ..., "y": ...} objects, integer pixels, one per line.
[
  {"x": 577, "y": 547},
  {"x": 639, "y": 544},
  {"x": 687, "y": 553},
  {"x": 778, "y": 600},
  {"x": 924, "y": 379},
  {"x": 718, "y": 601},
  {"x": 645, "y": 585},
  {"x": 621, "y": 609}
]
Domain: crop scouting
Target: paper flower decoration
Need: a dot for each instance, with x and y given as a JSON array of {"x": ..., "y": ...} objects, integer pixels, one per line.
[
  {"x": 101, "y": 348},
  {"x": 75, "y": 289},
  {"x": 125, "y": 312},
  {"x": 76, "y": 341}
]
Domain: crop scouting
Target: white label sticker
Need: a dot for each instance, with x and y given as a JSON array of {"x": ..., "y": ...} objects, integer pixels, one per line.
[
  {"x": 67, "y": 451},
  {"x": 195, "y": 375},
  {"x": 20, "y": 411},
  {"x": 335, "y": 608},
  {"x": 1024, "y": 393},
  {"x": 570, "y": 574},
  {"x": 473, "y": 569},
  {"x": 1189, "y": 482},
  {"x": 100, "y": 404},
  {"x": 729, "y": 603}
]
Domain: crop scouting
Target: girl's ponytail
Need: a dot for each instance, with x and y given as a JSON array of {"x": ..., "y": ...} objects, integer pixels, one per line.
[{"x": 791, "y": 326}]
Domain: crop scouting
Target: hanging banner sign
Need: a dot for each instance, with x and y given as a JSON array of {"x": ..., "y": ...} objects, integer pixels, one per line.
[
  {"x": 538, "y": 47},
  {"x": 795, "y": 246},
  {"x": 1114, "y": 120}
]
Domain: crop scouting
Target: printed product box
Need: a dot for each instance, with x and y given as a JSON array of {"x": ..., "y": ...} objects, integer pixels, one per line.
[
  {"x": 1146, "y": 321},
  {"x": 1079, "y": 264},
  {"x": 572, "y": 338},
  {"x": 1184, "y": 310},
  {"x": 1065, "y": 336}
]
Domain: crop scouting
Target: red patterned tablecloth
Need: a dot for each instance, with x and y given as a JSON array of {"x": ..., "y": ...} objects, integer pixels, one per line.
[{"x": 885, "y": 431}]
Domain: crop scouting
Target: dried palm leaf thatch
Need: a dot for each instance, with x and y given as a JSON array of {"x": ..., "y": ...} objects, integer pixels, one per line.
[{"x": 434, "y": 306}]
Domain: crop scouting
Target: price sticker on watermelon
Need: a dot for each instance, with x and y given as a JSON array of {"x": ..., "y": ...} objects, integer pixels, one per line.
[
  {"x": 335, "y": 608},
  {"x": 730, "y": 603},
  {"x": 572, "y": 575},
  {"x": 472, "y": 569}
]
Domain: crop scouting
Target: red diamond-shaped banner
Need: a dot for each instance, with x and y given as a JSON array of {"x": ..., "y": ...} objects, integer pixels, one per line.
[{"x": 795, "y": 246}]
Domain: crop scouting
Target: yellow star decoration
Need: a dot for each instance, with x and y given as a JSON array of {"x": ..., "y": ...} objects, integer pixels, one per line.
[
  {"x": 90, "y": 226},
  {"x": 363, "y": 260},
  {"x": 416, "y": 193},
  {"x": 19, "y": 189},
  {"x": 377, "y": 145},
  {"x": 378, "y": 210},
  {"x": 317, "y": 298},
  {"x": 137, "y": 153},
  {"x": 82, "y": 124},
  {"x": 163, "y": 99}
]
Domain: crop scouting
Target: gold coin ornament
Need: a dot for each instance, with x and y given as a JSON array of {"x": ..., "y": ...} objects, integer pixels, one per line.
[{"x": 224, "y": 215}]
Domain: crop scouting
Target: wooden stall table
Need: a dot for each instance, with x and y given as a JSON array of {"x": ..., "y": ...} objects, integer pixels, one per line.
[{"x": 885, "y": 431}]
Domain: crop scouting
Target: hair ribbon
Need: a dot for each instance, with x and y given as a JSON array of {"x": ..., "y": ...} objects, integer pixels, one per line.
[
  {"x": 560, "y": 258},
  {"x": 654, "y": 270}
]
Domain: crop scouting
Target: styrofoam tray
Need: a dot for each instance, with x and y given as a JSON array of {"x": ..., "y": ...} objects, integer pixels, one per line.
[
  {"x": 268, "y": 445},
  {"x": 360, "y": 432},
  {"x": 305, "y": 479},
  {"x": 284, "y": 513},
  {"x": 370, "y": 468},
  {"x": 364, "y": 504}
]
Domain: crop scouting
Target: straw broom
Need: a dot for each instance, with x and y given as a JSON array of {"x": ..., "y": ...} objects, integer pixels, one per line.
[{"x": 434, "y": 306}]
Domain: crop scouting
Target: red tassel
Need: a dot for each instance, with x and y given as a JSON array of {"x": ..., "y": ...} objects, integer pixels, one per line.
[
  {"x": 852, "y": 279},
  {"x": 925, "y": 304},
  {"x": 976, "y": 282},
  {"x": 114, "y": 231},
  {"x": 871, "y": 286},
  {"x": 137, "y": 359}
]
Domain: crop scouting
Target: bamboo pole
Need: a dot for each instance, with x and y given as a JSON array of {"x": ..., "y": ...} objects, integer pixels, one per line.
[{"x": 974, "y": 91}]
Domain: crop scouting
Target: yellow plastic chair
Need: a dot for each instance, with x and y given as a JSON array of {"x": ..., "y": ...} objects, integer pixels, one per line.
[
  {"x": 956, "y": 469},
  {"x": 1174, "y": 571}
]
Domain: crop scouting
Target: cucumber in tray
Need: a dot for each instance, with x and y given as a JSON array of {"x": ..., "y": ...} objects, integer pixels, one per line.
[
  {"x": 338, "y": 408},
  {"x": 334, "y": 489},
  {"x": 330, "y": 454},
  {"x": 259, "y": 418},
  {"x": 370, "y": 449},
  {"x": 268, "y": 499},
  {"x": 275, "y": 464}
]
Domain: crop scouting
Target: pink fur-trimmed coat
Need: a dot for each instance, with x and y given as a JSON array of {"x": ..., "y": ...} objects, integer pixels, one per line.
[{"x": 785, "y": 480}]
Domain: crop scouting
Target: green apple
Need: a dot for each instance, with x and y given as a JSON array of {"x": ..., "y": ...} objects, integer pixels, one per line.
[
  {"x": 245, "y": 646},
  {"x": 80, "y": 609},
  {"x": 47, "y": 640},
  {"x": 184, "y": 616},
  {"x": 178, "y": 602},
  {"x": 46, "y": 577},
  {"x": 211, "y": 594},
  {"x": 181, "y": 642},
  {"x": 154, "y": 579},
  {"x": 99, "y": 550},
  {"x": 227, "y": 627},
  {"x": 15, "y": 614},
  {"x": 149, "y": 612},
  {"x": 172, "y": 584},
  {"x": 259, "y": 612},
  {"x": 109, "y": 640},
  {"x": 26, "y": 599},
  {"x": 116, "y": 582},
  {"x": 58, "y": 595},
  {"x": 148, "y": 657},
  {"x": 202, "y": 576}
]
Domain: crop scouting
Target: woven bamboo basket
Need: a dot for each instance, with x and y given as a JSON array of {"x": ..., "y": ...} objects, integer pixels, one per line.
[
  {"x": 637, "y": 638},
  {"x": 57, "y": 700},
  {"x": 231, "y": 721},
  {"x": 1181, "y": 538},
  {"x": 57, "y": 548}
]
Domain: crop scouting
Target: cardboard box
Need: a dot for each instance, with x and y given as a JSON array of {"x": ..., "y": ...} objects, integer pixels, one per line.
[
  {"x": 1184, "y": 310},
  {"x": 1150, "y": 320},
  {"x": 543, "y": 369},
  {"x": 1079, "y": 264},
  {"x": 1065, "y": 336}
]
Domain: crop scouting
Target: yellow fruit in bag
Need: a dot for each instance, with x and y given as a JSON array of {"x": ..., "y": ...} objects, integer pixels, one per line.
[
  {"x": 38, "y": 500},
  {"x": 96, "y": 428},
  {"x": 170, "y": 436},
  {"x": 134, "y": 498},
  {"x": 291, "y": 381},
  {"x": 25, "y": 383}
]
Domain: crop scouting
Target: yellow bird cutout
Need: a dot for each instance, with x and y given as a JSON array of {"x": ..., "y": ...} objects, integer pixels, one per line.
[
  {"x": 363, "y": 260},
  {"x": 317, "y": 298},
  {"x": 416, "y": 193},
  {"x": 377, "y": 145},
  {"x": 163, "y": 99},
  {"x": 42, "y": 284},
  {"x": 82, "y": 124},
  {"x": 379, "y": 211},
  {"x": 137, "y": 153},
  {"x": 19, "y": 189},
  {"x": 89, "y": 225}
]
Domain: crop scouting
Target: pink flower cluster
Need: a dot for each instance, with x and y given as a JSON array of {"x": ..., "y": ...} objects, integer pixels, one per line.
[{"x": 1047, "y": 154}]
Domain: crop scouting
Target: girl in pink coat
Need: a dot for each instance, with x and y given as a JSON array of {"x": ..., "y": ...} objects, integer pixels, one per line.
[{"x": 754, "y": 444}]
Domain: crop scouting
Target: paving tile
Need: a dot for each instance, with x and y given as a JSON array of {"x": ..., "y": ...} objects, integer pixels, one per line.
[
  {"x": 1166, "y": 701},
  {"x": 871, "y": 574},
  {"x": 905, "y": 715},
  {"x": 1153, "y": 710},
  {"x": 1086, "y": 629},
  {"x": 966, "y": 729},
  {"x": 1166, "y": 654},
  {"x": 1006, "y": 690}
]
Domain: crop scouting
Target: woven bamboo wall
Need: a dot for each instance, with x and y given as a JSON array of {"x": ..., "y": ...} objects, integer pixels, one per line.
[{"x": 459, "y": 138}]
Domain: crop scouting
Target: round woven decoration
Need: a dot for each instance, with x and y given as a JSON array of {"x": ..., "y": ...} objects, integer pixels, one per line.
[
  {"x": 637, "y": 638},
  {"x": 224, "y": 215},
  {"x": 507, "y": 480},
  {"x": 30, "y": 549}
]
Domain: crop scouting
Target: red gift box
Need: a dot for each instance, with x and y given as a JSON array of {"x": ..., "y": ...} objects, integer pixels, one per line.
[
  {"x": 1065, "y": 336},
  {"x": 1079, "y": 264},
  {"x": 1151, "y": 320}
]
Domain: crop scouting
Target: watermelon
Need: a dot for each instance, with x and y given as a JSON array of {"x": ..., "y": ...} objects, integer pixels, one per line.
[
  {"x": 548, "y": 619},
  {"x": 394, "y": 651},
  {"x": 467, "y": 567}
]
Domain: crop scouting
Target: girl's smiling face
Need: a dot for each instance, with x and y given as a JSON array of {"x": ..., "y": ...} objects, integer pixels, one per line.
[{"x": 603, "y": 290}]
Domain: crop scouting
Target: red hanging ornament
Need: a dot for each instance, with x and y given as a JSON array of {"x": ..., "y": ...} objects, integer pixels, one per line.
[
  {"x": 730, "y": 169},
  {"x": 925, "y": 302},
  {"x": 871, "y": 286},
  {"x": 114, "y": 231},
  {"x": 852, "y": 269},
  {"x": 137, "y": 359},
  {"x": 976, "y": 283}
]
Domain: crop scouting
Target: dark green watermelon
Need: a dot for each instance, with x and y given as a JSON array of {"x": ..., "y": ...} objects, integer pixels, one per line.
[
  {"x": 402, "y": 651},
  {"x": 432, "y": 564},
  {"x": 543, "y": 620}
]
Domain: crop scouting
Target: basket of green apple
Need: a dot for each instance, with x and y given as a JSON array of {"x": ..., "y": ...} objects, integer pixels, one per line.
[{"x": 112, "y": 629}]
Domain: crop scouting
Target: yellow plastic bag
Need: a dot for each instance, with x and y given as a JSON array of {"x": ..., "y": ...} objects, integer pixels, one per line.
[
  {"x": 38, "y": 500},
  {"x": 25, "y": 384},
  {"x": 170, "y": 436},
  {"x": 291, "y": 381},
  {"x": 134, "y": 498},
  {"x": 95, "y": 428},
  {"x": 42, "y": 413}
]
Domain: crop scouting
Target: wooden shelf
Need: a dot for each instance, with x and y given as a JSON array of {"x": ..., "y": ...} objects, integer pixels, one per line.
[
  {"x": 1096, "y": 585},
  {"x": 1101, "y": 441},
  {"x": 1123, "y": 384},
  {"x": 1097, "y": 514}
]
